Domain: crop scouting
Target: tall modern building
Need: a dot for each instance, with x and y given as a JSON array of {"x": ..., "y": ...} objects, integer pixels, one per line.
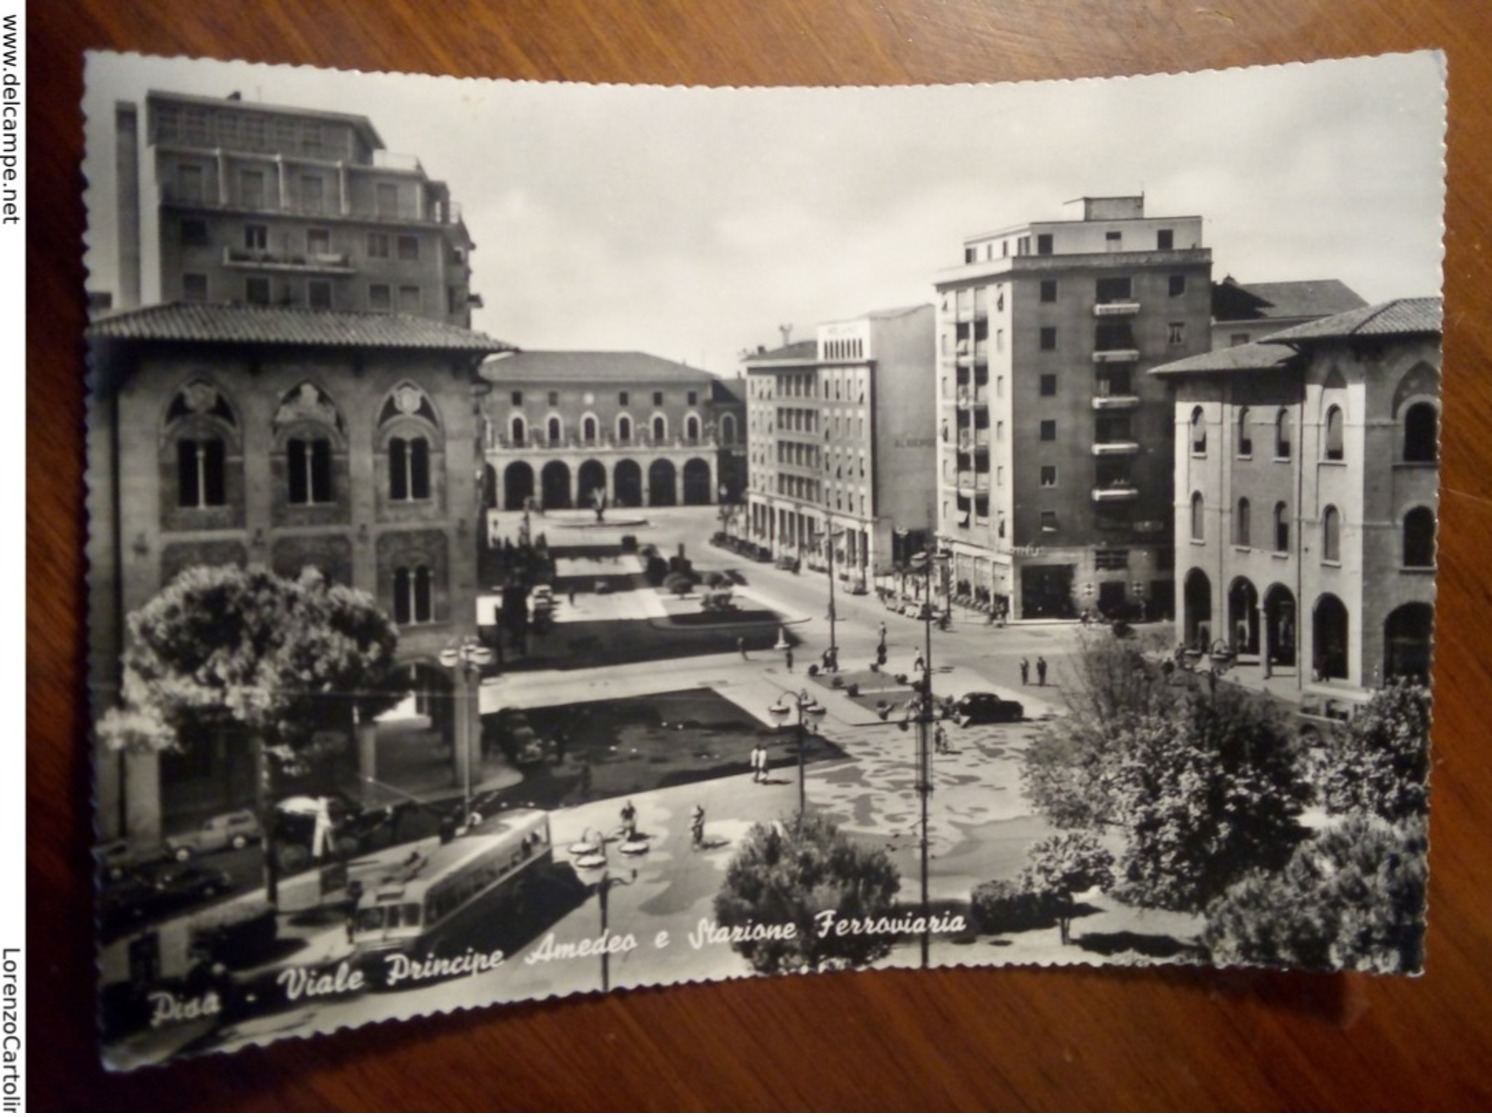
[
  {"x": 1054, "y": 455},
  {"x": 1306, "y": 494},
  {"x": 840, "y": 442},
  {"x": 222, "y": 200}
]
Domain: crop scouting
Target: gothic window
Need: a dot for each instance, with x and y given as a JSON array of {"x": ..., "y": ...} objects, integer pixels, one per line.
[
  {"x": 409, "y": 432},
  {"x": 1331, "y": 535},
  {"x": 1419, "y": 537},
  {"x": 1334, "y": 452},
  {"x": 1198, "y": 518},
  {"x": 1241, "y": 523},
  {"x": 201, "y": 430},
  {"x": 1281, "y": 527},
  {"x": 200, "y": 473},
  {"x": 1199, "y": 431},
  {"x": 309, "y": 462},
  {"x": 412, "y": 595},
  {"x": 1283, "y": 434},
  {"x": 1421, "y": 433}
]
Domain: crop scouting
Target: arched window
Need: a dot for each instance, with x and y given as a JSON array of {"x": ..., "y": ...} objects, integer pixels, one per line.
[
  {"x": 1199, "y": 431},
  {"x": 1419, "y": 537},
  {"x": 412, "y": 596},
  {"x": 409, "y": 469},
  {"x": 1245, "y": 439},
  {"x": 1421, "y": 433},
  {"x": 624, "y": 429},
  {"x": 554, "y": 430},
  {"x": 1333, "y": 434},
  {"x": 1331, "y": 534},
  {"x": 691, "y": 429},
  {"x": 1197, "y": 518},
  {"x": 660, "y": 428},
  {"x": 728, "y": 429},
  {"x": 588, "y": 429},
  {"x": 203, "y": 431},
  {"x": 519, "y": 429},
  {"x": 1241, "y": 524},
  {"x": 309, "y": 464},
  {"x": 1281, "y": 527},
  {"x": 1283, "y": 434}
]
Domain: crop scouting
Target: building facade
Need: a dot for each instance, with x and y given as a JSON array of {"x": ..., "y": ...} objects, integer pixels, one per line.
[
  {"x": 582, "y": 429},
  {"x": 1245, "y": 312},
  {"x": 840, "y": 433},
  {"x": 231, "y": 201},
  {"x": 1306, "y": 496},
  {"x": 282, "y": 438},
  {"x": 1054, "y": 448}
]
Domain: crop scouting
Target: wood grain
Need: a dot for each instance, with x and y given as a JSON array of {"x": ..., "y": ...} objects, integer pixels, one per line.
[{"x": 1087, "y": 1038}]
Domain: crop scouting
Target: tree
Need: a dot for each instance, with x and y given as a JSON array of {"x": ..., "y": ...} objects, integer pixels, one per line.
[
  {"x": 1198, "y": 785},
  {"x": 1064, "y": 864},
  {"x": 678, "y": 584},
  {"x": 1352, "y": 897},
  {"x": 225, "y": 648},
  {"x": 1380, "y": 763},
  {"x": 788, "y": 873}
]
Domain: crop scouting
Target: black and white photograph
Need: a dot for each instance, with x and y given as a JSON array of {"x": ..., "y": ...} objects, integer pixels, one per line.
[{"x": 551, "y": 539}]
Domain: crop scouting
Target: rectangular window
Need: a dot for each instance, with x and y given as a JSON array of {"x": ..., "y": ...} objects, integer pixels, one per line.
[
  {"x": 693, "y": 398},
  {"x": 657, "y": 399},
  {"x": 1023, "y": 246},
  {"x": 311, "y": 188},
  {"x": 189, "y": 182},
  {"x": 1048, "y": 477},
  {"x": 1049, "y": 521},
  {"x": 194, "y": 233},
  {"x": 1048, "y": 384},
  {"x": 256, "y": 237},
  {"x": 319, "y": 294},
  {"x": 621, "y": 398},
  {"x": 1114, "y": 289},
  {"x": 380, "y": 297},
  {"x": 968, "y": 255},
  {"x": 1049, "y": 430},
  {"x": 1176, "y": 285},
  {"x": 1165, "y": 240},
  {"x": 319, "y": 242},
  {"x": 517, "y": 398},
  {"x": 1113, "y": 240},
  {"x": 386, "y": 199},
  {"x": 1110, "y": 559},
  {"x": 194, "y": 287},
  {"x": 1049, "y": 337},
  {"x": 553, "y": 399},
  {"x": 409, "y": 247},
  {"x": 1043, "y": 244},
  {"x": 256, "y": 290},
  {"x": 1176, "y": 333},
  {"x": 251, "y": 189},
  {"x": 378, "y": 246},
  {"x": 1048, "y": 290},
  {"x": 409, "y": 300}
]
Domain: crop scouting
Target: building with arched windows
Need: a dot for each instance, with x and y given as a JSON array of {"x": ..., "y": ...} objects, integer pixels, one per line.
[
  {"x": 582, "y": 429},
  {"x": 285, "y": 438},
  {"x": 1306, "y": 490}
]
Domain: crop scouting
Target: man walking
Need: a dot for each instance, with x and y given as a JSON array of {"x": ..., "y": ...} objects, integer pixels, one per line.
[
  {"x": 1041, "y": 670},
  {"x": 1025, "y": 670},
  {"x": 787, "y": 657},
  {"x": 741, "y": 646}
]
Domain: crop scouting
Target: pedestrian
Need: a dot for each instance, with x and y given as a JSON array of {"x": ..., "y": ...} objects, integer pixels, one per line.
[
  {"x": 883, "y": 636},
  {"x": 741, "y": 646},
  {"x": 761, "y": 763},
  {"x": 572, "y": 595},
  {"x": 697, "y": 825},
  {"x": 1025, "y": 670},
  {"x": 1041, "y": 670},
  {"x": 756, "y": 764},
  {"x": 919, "y": 665},
  {"x": 629, "y": 821},
  {"x": 940, "y": 740},
  {"x": 788, "y": 658}
]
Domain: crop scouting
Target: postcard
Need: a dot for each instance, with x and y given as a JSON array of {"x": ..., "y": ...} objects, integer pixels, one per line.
[{"x": 551, "y": 539}]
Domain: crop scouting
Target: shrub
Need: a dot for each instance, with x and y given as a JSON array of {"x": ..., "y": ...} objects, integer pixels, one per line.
[
  {"x": 629, "y": 544},
  {"x": 836, "y": 682},
  {"x": 853, "y": 690},
  {"x": 901, "y": 680},
  {"x": 1003, "y": 906},
  {"x": 813, "y": 669}
]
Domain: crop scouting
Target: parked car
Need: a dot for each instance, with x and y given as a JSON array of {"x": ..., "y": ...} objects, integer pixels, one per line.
[
  {"x": 117, "y": 859},
  {"x": 233, "y": 830},
  {"x": 982, "y": 708},
  {"x": 180, "y": 886}
]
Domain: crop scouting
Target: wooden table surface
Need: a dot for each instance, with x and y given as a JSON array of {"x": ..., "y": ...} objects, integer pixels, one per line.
[{"x": 950, "y": 1039}]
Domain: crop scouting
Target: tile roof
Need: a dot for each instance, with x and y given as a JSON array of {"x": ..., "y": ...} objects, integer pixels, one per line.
[
  {"x": 1397, "y": 317},
  {"x": 580, "y": 365},
  {"x": 1308, "y": 298},
  {"x": 797, "y": 351},
  {"x": 278, "y": 325},
  {"x": 1251, "y": 357}
]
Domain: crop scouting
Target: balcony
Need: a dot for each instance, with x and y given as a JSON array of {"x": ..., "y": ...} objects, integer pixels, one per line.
[
  {"x": 1115, "y": 448},
  {"x": 1105, "y": 402},
  {"x": 433, "y": 212},
  {"x": 1123, "y": 309},
  {"x": 1115, "y": 493},
  {"x": 1115, "y": 356},
  {"x": 264, "y": 259}
]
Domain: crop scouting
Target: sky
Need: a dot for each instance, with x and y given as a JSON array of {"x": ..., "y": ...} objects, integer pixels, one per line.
[{"x": 692, "y": 223}]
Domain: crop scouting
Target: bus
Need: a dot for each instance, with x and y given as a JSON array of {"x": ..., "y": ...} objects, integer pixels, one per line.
[{"x": 425, "y": 902}]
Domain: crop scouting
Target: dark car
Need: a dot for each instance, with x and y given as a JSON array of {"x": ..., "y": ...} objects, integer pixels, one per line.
[
  {"x": 982, "y": 708},
  {"x": 178, "y": 887}
]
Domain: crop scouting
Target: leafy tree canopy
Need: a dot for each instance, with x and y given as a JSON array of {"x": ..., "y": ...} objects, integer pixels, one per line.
[
  {"x": 791, "y": 871},
  {"x": 1380, "y": 763},
  {"x": 281, "y": 658},
  {"x": 1064, "y": 864},
  {"x": 1353, "y": 897},
  {"x": 1199, "y": 785}
]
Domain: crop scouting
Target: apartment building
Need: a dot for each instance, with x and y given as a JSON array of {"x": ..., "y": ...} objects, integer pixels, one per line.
[
  {"x": 840, "y": 435},
  {"x": 1054, "y": 448},
  {"x": 223, "y": 200}
]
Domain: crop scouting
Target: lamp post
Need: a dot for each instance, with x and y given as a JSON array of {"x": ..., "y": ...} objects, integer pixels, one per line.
[
  {"x": 926, "y": 715},
  {"x": 829, "y": 536},
  {"x": 465, "y": 659},
  {"x": 590, "y": 857},
  {"x": 810, "y": 714}
]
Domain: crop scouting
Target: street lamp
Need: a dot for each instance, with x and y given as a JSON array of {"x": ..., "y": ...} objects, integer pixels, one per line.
[
  {"x": 590, "y": 858},
  {"x": 465, "y": 659},
  {"x": 810, "y": 715},
  {"x": 926, "y": 715}
]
